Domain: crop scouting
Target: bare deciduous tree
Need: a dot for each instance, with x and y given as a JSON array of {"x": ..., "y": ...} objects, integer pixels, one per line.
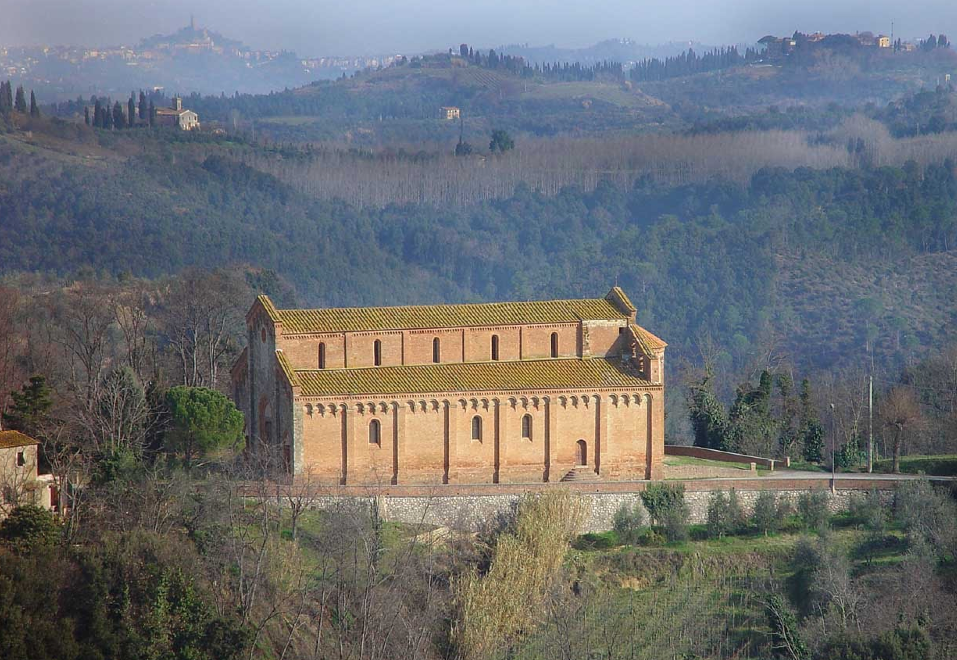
[
  {"x": 10, "y": 341},
  {"x": 80, "y": 325},
  {"x": 900, "y": 413},
  {"x": 202, "y": 318}
]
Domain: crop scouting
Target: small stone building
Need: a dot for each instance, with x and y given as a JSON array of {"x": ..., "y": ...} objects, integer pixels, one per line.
[
  {"x": 449, "y": 113},
  {"x": 177, "y": 117},
  {"x": 514, "y": 392},
  {"x": 20, "y": 481}
]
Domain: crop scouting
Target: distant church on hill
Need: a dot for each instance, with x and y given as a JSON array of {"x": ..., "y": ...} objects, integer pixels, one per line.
[
  {"x": 176, "y": 116},
  {"x": 514, "y": 392}
]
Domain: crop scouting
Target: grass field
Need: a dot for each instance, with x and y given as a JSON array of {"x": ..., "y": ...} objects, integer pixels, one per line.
[
  {"x": 699, "y": 599},
  {"x": 940, "y": 465},
  {"x": 678, "y": 461}
]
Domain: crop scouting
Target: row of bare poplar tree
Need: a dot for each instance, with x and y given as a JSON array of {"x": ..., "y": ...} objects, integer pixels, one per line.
[{"x": 437, "y": 177}]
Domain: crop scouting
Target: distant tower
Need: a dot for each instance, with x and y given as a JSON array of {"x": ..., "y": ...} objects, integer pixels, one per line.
[
  {"x": 192, "y": 23},
  {"x": 177, "y": 103}
]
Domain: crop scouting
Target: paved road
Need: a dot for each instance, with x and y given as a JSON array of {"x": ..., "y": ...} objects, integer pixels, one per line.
[{"x": 842, "y": 476}]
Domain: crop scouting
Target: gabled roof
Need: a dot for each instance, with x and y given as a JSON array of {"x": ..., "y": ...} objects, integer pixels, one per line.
[
  {"x": 647, "y": 342},
  {"x": 287, "y": 368},
  {"x": 536, "y": 375},
  {"x": 357, "y": 319},
  {"x": 10, "y": 439}
]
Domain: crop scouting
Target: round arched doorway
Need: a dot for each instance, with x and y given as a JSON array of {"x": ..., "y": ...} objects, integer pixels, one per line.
[{"x": 582, "y": 452}]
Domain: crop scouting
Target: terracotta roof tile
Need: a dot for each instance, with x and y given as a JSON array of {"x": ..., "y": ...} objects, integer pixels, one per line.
[
  {"x": 9, "y": 439},
  {"x": 647, "y": 342},
  {"x": 549, "y": 374},
  {"x": 285, "y": 365},
  {"x": 269, "y": 307},
  {"x": 353, "y": 319}
]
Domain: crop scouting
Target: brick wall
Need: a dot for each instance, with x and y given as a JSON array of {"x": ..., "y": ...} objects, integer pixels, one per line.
[
  {"x": 715, "y": 455},
  {"x": 427, "y": 441},
  {"x": 468, "y": 344}
]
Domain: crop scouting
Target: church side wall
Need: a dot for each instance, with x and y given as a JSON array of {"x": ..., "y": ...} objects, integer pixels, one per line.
[
  {"x": 479, "y": 439},
  {"x": 456, "y": 345}
]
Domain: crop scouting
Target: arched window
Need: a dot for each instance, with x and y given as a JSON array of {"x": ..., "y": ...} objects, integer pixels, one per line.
[
  {"x": 377, "y": 352},
  {"x": 322, "y": 355},
  {"x": 477, "y": 428},
  {"x": 527, "y": 427},
  {"x": 436, "y": 351},
  {"x": 554, "y": 344},
  {"x": 495, "y": 347},
  {"x": 582, "y": 453},
  {"x": 375, "y": 432}
]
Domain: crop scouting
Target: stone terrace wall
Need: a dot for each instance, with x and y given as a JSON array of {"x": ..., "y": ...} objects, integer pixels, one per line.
[
  {"x": 469, "y": 512},
  {"x": 447, "y": 507}
]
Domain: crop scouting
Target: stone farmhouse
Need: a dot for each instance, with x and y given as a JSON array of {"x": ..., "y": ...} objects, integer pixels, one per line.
[
  {"x": 20, "y": 481},
  {"x": 449, "y": 113},
  {"x": 515, "y": 392},
  {"x": 177, "y": 117}
]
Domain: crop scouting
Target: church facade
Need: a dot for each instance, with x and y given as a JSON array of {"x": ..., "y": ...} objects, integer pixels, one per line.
[{"x": 514, "y": 392}]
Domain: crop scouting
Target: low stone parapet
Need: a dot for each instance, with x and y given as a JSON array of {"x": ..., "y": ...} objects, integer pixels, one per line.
[{"x": 723, "y": 456}]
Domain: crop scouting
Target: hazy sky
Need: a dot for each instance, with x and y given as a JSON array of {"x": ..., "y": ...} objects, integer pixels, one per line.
[{"x": 320, "y": 27}]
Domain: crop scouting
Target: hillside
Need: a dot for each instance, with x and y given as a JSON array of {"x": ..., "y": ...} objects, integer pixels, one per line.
[
  {"x": 399, "y": 103},
  {"x": 862, "y": 257}
]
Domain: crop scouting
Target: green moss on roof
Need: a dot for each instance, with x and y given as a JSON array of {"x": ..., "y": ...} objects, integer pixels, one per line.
[
  {"x": 647, "y": 342},
  {"x": 10, "y": 439},
  {"x": 536, "y": 375},
  {"x": 357, "y": 319}
]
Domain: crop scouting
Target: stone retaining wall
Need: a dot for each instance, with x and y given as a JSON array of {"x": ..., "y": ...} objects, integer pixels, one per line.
[{"x": 467, "y": 510}]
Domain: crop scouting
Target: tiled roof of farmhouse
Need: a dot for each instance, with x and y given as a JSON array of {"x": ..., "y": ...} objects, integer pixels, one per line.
[
  {"x": 506, "y": 376},
  {"x": 357, "y": 319},
  {"x": 9, "y": 439}
]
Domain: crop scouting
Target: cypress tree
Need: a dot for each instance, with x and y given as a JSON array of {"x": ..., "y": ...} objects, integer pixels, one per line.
[
  {"x": 152, "y": 113},
  {"x": 6, "y": 98},
  {"x": 20, "y": 105},
  {"x": 708, "y": 419},
  {"x": 107, "y": 116},
  {"x": 811, "y": 431},
  {"x": 86, "y": 115},
  {"x": 144, "y": 108},
  {"x": 34, "y": 108},
  {"x": 131, "y": 110},
  {"x": 119, "y": 121},
  {"x": 97, "y": 114}
]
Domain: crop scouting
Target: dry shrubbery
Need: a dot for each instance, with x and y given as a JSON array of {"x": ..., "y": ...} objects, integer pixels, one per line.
[{"x": 498, "y": 607}]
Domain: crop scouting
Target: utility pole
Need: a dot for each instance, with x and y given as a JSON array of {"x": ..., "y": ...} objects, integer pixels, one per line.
[
  {"x": 833, "y": 455},
  {"x": 870, "y": 422}
]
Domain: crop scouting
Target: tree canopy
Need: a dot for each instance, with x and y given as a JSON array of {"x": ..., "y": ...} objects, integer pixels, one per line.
[{"x": 203, "y": 423}]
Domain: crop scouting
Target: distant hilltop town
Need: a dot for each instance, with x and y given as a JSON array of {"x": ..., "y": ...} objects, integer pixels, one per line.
[
  {"x": 783, "y": 47},
  {"x": 205, "y": 61}
]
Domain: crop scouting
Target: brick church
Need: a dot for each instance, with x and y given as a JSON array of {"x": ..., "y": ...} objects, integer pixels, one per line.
[{"x": 514, "y": 392}]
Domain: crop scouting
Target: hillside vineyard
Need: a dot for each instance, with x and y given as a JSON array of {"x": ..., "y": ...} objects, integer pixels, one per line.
[{"x": 514, "y": 392}]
